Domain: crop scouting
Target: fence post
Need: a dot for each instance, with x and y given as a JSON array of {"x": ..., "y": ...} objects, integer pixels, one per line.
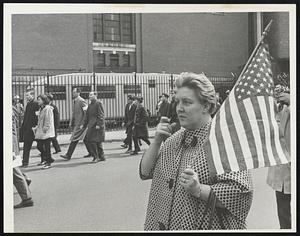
[
  {"x": 94, "y": 81},
  {"x": 134, "y": 83},
  {"x": 172, "y": 82},
  {"x": 47, "y": 74}
]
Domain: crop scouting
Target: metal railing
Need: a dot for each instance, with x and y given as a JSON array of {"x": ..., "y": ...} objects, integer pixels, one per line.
[{"x": 112, "y": 89}]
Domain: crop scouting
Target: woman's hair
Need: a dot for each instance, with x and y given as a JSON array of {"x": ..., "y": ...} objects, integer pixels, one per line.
[
  {"x": 203, "y": 88},
  {"x": 44, "y": 98}
]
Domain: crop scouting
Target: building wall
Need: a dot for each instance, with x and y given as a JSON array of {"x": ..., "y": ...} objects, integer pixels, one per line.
[
  {"x": 51, "y": 42},
  {"x": 278, "y": 37},
  {"x": 214, "y": 44}
]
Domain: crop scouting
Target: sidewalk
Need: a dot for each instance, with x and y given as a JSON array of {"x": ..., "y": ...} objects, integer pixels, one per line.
[{"x": 110, "y": 136}]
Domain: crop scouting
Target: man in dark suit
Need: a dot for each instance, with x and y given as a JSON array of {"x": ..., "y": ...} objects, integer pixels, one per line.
[
  {"x": 164, "y": 106},
  {"x": 56, "y": 123},
  {"x": 95, "y": 123},
  {"x": 128, "y": 122},
  {"x": 30, "y": 120}
]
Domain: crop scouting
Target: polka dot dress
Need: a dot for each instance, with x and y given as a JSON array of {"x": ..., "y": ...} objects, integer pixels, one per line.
[{"x": 170, "y": 207}]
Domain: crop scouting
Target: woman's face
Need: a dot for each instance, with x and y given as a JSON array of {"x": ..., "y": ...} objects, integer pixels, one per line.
[
  {"x": 40, "y": 101},
  {"x": 191, "y": 112}
]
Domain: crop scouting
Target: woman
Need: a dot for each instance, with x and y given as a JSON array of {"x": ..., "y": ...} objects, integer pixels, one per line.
[
  {"x": 181, "y": 184},
  {"x": 140, "y": 125},
  {"x": 44, "y": 131}
]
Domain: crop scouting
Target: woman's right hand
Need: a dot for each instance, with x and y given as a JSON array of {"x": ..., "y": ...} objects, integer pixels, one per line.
[{"x": 163, "y": 130}]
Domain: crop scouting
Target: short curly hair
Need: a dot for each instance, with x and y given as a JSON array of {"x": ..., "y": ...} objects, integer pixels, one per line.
[{"x": 203, "y": 88}]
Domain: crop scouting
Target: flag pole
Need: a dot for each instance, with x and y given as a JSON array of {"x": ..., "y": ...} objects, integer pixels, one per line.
[{"x": 267, "y": 29}]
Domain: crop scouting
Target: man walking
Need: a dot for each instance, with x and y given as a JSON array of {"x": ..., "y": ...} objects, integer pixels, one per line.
[
  {"x": 20, "y": 180},
  {"x": 79, "y": 110},
  {"x": 30, "y": 120},
  {"x": 164, "y": 106},
  {"x": 56, "y": 123},
  {"x": 128, "y": 122},
  {"x": 95, "y": 124},
  {"x": 279, "y": 177}
]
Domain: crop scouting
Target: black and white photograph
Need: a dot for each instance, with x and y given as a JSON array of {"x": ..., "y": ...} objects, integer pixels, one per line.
[{"x": 149, "y": 117}]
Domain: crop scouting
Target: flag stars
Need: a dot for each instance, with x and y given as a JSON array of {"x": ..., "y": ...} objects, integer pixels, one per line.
[
  {"x": 255, "y": 65},
  {"x": 261, "y": 54},
  {"x": 237, "y": 89},
  {"x": 245, "y": 84},
  {"x": 258, "y": 74},
  {"x": 248, "y": 92},
  {"x": 252, "y": 71},
  {"x": 258, "y": 59},
  {"x": 239, "y": 97},
  {"x": 252, "y": 86},
  {"x": 255, "y": 80},
  {"x": 242, "y": 90},
  {"x": 264, "y": 64},
  {"x": 258, "y": 90}
]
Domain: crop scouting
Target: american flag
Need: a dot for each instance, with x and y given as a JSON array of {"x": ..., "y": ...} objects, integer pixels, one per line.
[{"x": 244, "y": 133}]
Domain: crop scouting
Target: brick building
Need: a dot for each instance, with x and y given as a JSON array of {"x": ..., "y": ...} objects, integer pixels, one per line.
[{"x": 215, "y": 43}]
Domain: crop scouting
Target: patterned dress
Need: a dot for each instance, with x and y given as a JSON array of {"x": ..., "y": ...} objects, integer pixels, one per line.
[{"x": 170, "y": 207}]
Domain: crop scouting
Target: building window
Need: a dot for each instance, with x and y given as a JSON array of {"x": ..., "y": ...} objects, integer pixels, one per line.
[
  {"x": 127, "y": 28},
  {"x": 112, "y": 27},
  {"x": 126, "y": 60},
  {"x": 98, "y": 27},
  {"x": 58, "y": 92},
  {"x": 85, "y": 90},
  {"x": 131, "y": 88},
  {"x": 151, "y": 83},
  {"x": 99, "y": 59},
  {"x": 106, "y": 91},
  {"x": 114, "y": 60}
]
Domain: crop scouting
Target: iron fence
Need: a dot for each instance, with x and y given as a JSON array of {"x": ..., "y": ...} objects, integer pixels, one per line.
[{"x": 112, "y": 89}]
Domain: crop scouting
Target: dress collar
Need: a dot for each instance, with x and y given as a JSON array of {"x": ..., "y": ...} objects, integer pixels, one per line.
[{"x": 192, "y": 137}]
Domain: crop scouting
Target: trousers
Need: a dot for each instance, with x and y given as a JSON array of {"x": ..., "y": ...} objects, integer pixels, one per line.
[
  {"x": 20, "y": 183},
  {"x": 95, "y": 149},
  {"x": 128, "y": 139},
  {"x": 26, "y": 150},
  {"x": 45, "y": 149},
  {"x": 136, "y": 142},
  {"x": 72, "y": 147},
  {"x": 55, "y": 142},
  {"x": 284, "y": 209}
]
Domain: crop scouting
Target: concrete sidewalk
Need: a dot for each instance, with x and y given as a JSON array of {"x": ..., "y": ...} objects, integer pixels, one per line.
[{"x": 110, "y": 136}]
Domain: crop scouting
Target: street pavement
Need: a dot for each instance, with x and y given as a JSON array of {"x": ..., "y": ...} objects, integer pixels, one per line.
[{"x": 77, "y": 196}]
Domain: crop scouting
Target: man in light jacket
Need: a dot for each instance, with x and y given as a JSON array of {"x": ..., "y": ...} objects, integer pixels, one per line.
[{"x": 79, "y": 110}]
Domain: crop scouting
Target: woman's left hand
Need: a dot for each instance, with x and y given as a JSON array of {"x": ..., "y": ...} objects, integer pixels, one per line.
[{"x": 190, "y": 182}]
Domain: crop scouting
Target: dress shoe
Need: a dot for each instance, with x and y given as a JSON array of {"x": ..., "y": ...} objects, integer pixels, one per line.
[
  {"x": 56, "y": 152},
  {"x": 88, "y": 155},
  {"x": 134, "y": 153},
  {"x": 95, "y": 160},
  {"x": 129, "y": 151},
  {"x": 24, "y": 203},
  {"x": 28, "y": 181},
  {"x": 41, "y": 163},
  {"x": 65, "y": 157},
  {"x": 124, "y": 146},
  {"x": 46, "y": 166}
]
